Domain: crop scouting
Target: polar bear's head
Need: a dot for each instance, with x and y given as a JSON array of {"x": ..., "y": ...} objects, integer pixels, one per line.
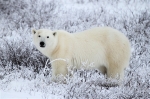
[{"x": 45, "y": 40}]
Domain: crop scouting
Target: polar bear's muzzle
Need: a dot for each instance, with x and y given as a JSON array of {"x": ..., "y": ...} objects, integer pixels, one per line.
[{"x": 42, "y": 44}]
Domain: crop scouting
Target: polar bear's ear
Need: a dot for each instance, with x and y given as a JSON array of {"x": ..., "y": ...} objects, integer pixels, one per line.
[
  {"x": 33, "y": 31},
  {"x": 54, "y": 33}
]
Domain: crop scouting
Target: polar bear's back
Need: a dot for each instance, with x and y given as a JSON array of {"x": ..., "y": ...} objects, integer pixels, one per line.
[
  {"x": 106, "y": 36},
  {"x": 101, "y": 33}
]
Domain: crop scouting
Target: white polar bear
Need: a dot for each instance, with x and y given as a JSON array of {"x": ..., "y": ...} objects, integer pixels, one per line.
[{"x": 106, "y": 47}]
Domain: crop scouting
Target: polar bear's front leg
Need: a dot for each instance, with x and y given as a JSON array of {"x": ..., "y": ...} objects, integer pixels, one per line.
[{"x": 59, "y": 67}]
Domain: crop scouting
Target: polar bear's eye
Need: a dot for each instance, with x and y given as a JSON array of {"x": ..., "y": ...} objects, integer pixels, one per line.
[
  {"x": 39, "y": 36},
  {"x": 47, "y": 36}
]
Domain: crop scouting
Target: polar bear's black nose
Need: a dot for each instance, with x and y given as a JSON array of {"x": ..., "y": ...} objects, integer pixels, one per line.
[{"x": 42, "y": 44}]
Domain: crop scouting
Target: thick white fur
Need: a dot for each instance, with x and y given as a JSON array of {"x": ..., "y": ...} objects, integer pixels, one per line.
[{"x": 106, "y": 47}]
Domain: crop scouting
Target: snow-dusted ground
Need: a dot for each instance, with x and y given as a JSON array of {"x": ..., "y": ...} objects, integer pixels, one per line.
[
  {"x": 23, "y": 89},
  {"x": 27, "y": 95},
  {"x": 22, "y": 73},
  {"x": 16, "y": 87}
]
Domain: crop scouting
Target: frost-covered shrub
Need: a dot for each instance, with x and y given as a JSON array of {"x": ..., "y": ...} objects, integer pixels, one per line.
[
  {"x": 92, "y": 85},
  {"x": 28, "y": 13},
  {"x": 17, "y": 51}
]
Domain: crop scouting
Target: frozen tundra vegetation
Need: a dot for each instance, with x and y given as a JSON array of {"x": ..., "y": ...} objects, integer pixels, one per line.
[{"x": 26, "y": 74}]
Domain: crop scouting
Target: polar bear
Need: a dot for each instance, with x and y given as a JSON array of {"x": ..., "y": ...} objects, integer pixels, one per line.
[{"x": 106, "y": 47}]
